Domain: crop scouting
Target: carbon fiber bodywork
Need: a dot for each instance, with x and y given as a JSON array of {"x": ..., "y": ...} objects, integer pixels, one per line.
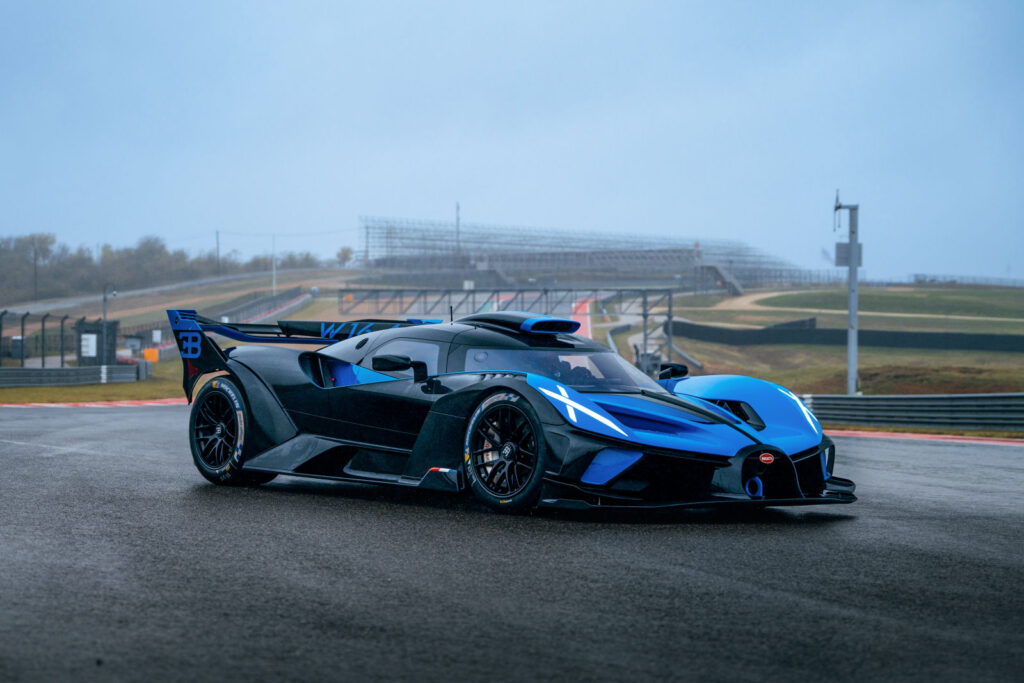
[{"x": 327, "y": 414}]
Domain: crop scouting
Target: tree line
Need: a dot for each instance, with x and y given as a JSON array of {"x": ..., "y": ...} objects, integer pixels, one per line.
[{"x": 36, "y": 266}]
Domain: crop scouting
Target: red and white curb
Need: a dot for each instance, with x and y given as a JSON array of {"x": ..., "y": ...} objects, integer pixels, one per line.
[
  {"x": 581, "y": 313},
  {"x": 101, "y": 404}
]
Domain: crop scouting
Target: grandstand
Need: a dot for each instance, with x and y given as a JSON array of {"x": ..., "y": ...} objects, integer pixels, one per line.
[{"x": 447, "y": 254}]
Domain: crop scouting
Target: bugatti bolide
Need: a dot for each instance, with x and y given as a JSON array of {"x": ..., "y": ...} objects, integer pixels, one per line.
[{"x": 511, "y": 406}]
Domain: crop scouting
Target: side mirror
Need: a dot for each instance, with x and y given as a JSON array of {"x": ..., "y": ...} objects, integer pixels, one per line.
[
  {"x": 391, "y": 363},
  {"x": 673, "y": 370}
]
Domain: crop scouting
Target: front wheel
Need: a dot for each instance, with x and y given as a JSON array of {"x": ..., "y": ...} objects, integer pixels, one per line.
[
  {"x": 217, "y": 434},
  {"x": 505, "y": 453}
]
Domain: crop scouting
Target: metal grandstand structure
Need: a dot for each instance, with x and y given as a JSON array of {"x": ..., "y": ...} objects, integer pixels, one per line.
[{"x": 447, "y": 253}]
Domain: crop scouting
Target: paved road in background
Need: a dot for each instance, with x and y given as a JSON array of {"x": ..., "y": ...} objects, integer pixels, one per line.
[{"x": 118, "y": 561}]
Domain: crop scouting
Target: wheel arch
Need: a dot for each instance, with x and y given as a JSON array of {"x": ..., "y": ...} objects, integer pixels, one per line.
[
  {"x": 439, "y": 443},
  {"x": 269, "y": 423}
]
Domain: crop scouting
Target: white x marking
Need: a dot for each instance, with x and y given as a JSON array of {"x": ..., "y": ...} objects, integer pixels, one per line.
[
  {"x": 573, "y": 406},
  {"x": 572, "y": 411}
]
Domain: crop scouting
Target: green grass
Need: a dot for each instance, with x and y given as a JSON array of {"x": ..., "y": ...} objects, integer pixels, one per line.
[
  {"x": 697, "y": 300},
  {"x": 323, "y": 308},
  {"x": 996, "y": 302},
  {"x": 867, "y": 321},
  {"x": 822, "y": 369},
  {"x": 813, "y": 369},
  {"x": 166, "y": 383}
]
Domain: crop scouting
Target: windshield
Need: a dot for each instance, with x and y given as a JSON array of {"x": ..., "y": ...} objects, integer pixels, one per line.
[{"x": 582, "y": 370}]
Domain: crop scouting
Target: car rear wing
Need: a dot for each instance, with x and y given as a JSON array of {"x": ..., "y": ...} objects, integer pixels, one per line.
[
  {"x": 200, "y": 355},
  {"x": 287, "y": 331}
]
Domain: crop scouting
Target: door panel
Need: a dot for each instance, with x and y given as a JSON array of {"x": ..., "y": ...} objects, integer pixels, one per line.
[{"x": 392, "y": 411}]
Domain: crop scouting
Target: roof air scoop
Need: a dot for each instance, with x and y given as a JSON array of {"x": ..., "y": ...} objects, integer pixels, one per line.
[
  {"x": 549, "y": 326},
  {"x": 528, "y": 323}
]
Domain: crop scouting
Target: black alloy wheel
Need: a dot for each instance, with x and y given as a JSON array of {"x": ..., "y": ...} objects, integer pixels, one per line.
[
  {"x": 218, "y": 425},
  {"x": 216, "y": 429},
  {"x": 503, "y": 450}
]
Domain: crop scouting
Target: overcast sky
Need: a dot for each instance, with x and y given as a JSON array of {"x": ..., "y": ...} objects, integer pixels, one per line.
[{"x": 711, "y": 120}]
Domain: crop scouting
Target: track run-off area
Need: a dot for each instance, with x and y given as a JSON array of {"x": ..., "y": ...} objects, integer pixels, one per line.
[{"x": 118, "y": 561}]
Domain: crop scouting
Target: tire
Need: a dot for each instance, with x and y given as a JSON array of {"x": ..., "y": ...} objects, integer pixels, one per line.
[
  {"x": 505, "y": 455},
  {"x": 216, "y": 434}
]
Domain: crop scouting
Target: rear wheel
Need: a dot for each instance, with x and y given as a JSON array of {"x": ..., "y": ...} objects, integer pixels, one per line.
[
  {"x": 505, "y": 453},
  {"x": 217, "y": 427}
]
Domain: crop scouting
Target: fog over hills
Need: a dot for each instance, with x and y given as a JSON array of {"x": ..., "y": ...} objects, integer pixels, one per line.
[{"x": 731, "y": 121}]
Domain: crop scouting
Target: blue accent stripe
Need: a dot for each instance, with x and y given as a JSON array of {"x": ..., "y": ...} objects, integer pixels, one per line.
[
  {"x": 608, "y": 464},
  {"x": 346, "y": 375}
]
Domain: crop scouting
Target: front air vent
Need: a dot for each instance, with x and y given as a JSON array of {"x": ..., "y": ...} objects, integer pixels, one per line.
[{"x": 742, "y": 410}]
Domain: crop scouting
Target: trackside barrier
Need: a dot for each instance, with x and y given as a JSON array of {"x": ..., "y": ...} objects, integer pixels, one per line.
[
  {"x": 610, "y": 342},
  {"x": 95, "y": 374},
  {"x": 801, "y": 334},
  {"x": 1002, "y": 412}
]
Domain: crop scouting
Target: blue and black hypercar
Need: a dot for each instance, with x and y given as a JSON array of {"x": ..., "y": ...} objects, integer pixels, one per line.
[{"x": 512, "y": 406}]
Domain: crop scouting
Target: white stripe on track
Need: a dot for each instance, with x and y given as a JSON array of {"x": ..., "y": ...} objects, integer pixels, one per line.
[{"x": 57, "y": 449}]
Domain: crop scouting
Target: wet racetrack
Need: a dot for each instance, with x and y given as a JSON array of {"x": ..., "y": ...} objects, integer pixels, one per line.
[{"x": 117, "y": 560}]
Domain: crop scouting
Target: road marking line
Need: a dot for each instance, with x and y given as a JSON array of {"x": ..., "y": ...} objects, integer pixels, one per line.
[{"x": 63, "y": 449}]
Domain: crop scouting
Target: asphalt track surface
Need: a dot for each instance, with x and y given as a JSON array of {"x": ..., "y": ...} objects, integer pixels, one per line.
[{"x": 117, "y": 561}]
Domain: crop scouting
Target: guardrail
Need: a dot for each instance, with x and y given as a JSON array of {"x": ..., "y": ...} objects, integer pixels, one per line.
[
  {"x": 96, "y": 374},
  {"x": 805, "y": 334},
  {"x": 609, "y": 336},
  {"x": 1002, "y": 412}
]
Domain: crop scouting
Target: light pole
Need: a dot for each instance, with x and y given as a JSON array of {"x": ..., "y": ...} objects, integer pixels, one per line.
[
  {"x": 853, "y": 261},
  {"x": 23, "y": 337},
  {"x": 113, "y": 292},
  {"x": 668, "y": 328},
  {"x": 62, "y": 339},
  {"x": 643, "y": 356},
  {"x": 42, "y": 344}
]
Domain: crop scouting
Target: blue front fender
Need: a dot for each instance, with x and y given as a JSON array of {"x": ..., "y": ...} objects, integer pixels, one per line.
[
  {"x": 789, "y": 424},
  {"x": 644, "y": 421}
]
